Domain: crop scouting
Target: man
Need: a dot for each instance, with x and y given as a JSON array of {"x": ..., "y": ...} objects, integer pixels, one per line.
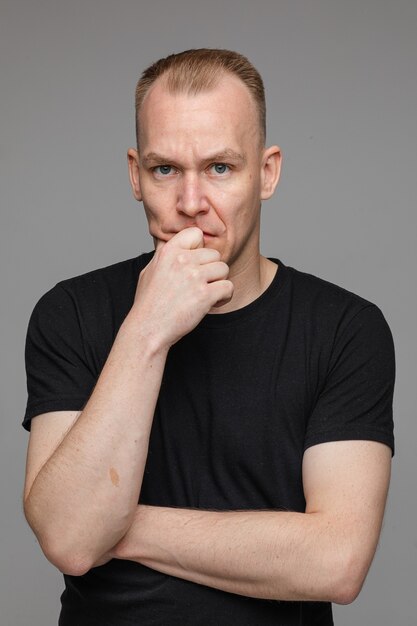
[{"x": 246, "y": 406}]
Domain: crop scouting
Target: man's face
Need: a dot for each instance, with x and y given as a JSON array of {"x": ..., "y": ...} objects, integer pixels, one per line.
[{"x": 201, "y": 164}]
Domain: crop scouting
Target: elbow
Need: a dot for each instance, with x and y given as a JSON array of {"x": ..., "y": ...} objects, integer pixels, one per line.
[
  {"x": 68, "y": 564},
  {"x": 68, "y": 561},
  {"x": 348, "y": 580},
  {"x": 346, "y": 593},
  {"x": 65, "y": 559}
]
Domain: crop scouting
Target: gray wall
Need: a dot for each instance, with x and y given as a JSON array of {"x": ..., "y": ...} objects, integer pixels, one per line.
[{"x": 342, "y": 93}]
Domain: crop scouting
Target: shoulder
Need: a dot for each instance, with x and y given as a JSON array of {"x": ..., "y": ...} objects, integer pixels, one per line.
[
  {"x": 95, "y": 302},
  {"x": 332, "y": 303},
  {"x": 315, "y": 288},
  {"x": 111, "y": 278},
  {"x": 334, "y": 320},
  {"x": 117, "y": 280}
]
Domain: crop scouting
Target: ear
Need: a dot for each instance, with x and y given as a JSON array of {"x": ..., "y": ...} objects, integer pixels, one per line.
[
  {"x": 270, "y": 171},
  {"x": 133, "y": 165}
]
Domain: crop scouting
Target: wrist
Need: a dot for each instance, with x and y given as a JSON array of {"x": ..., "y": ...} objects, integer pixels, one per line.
[{"x": 145, "y": 336}]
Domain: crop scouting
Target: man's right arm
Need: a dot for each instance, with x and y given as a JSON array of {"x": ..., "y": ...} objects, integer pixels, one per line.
[
  {"x": 83, "y": 480},
  {"x": 83, "y": 498}
]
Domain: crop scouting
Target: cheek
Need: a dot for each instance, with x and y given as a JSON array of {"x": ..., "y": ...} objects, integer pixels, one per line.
[
  {"x": 238, "y": 206},
  {"x": 155, "y": 217},
  {"x": 157, "y": 203}
]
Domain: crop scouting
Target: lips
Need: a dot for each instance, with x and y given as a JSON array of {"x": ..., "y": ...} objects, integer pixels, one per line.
[{"x": 206, "y": 233}]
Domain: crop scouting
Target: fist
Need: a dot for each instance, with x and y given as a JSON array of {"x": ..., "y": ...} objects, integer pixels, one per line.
[{"x": 179, "y": 286}]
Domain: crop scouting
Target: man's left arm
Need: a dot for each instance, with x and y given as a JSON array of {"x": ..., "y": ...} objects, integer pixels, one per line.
[{"x": 323, "y": 554}]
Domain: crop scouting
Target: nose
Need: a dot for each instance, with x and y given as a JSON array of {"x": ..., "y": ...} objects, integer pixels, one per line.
[{"x": 191, "y": 197}]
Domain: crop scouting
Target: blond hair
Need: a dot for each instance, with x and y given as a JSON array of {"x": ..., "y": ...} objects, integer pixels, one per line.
[{"x": 197, "y": 70}]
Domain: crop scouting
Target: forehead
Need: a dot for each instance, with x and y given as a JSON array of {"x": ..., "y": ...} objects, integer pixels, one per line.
[{"x": 224, "y": 114}]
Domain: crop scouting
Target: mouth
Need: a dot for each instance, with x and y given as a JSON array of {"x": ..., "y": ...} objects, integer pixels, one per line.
[
  {"x": 205, "y": 233},
  {"x": 207, "y": 236}
]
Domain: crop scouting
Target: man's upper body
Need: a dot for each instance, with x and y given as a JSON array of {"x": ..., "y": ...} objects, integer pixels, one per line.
[{"x": 245, "y": 406}]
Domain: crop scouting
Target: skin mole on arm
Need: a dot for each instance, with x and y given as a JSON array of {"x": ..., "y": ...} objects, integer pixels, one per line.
[{"x": 114, "y": 476}]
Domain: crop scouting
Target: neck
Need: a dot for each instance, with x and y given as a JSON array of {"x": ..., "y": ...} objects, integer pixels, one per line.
[{"x": 249, "y": 282}]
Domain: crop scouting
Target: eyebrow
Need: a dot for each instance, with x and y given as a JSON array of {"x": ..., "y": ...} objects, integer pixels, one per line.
[
  {"x": 227, "y": 155},
  {"x": 219, "y": 157}
]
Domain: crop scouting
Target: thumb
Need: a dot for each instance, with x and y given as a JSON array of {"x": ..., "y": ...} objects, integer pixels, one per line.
[
  {"x": 190, "y": 238},
  {"x": 187, "y": 239}
]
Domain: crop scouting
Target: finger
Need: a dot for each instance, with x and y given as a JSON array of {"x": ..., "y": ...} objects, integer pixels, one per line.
[
  {"x": 214, "y": 271},
  {"x": 200, "y": 256},
  {"x": 221, "y": 292},
  {"x": 189, "y": 238}
]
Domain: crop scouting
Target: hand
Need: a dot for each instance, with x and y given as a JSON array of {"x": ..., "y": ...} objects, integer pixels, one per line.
[{"x": 179, "y": 286}]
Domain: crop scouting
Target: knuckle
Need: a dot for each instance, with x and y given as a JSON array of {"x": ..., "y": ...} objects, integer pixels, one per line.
[
  {"x": 181, "y": 258},
  {"x": 228, "y": 287},
  {"x": 193, "y": 273},
  {"x": 201, "y": 291}
]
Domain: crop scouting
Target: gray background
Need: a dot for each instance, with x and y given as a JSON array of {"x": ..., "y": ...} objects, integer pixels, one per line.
[{"x": 342, "y": 94}]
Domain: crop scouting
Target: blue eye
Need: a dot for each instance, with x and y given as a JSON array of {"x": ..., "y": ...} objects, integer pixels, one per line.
[
  {"x": 220, "y": 168},
  {"x": 164, "y": 170}
]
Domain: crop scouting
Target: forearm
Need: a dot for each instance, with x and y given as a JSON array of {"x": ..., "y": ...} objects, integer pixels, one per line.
[
  {"x": 264, "y": 554},
  {"x": 84, "y": 498}
]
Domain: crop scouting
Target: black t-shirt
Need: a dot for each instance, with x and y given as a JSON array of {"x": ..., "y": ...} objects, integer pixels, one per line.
[{"x": 242, "y": 397}]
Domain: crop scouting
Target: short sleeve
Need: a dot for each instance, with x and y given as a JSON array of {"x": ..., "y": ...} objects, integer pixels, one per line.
[
  {"x": 58, "y": 375},
  {"x": 357, "y": 396}
]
